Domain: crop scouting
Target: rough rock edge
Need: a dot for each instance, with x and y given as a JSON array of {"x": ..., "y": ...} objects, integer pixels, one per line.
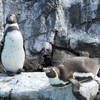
[{"x": 35, "y": 86}]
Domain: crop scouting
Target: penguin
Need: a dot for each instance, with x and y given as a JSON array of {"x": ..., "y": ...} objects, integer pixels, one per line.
[
  {"x": 13, "y": 53},
  {"x": 73, "y": 71}
]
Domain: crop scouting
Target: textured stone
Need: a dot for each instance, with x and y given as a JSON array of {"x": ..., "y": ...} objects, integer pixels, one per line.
[
  {"x": 59, "y": 56},
  {"x": 36, "y": 86}
]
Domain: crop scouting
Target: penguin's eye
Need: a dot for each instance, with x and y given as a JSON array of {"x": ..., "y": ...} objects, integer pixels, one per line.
[
  {"x": 51, "y": 70},
  {"x": 9, "y": 15}
]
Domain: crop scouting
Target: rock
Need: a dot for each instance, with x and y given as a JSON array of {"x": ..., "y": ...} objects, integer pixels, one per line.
[
  {"x": 35, "y": 86},
  {"x": 59, "y": 56}
]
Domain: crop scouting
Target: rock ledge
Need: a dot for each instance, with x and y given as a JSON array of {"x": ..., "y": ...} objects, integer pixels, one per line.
[{"x": 35, "y": 86}]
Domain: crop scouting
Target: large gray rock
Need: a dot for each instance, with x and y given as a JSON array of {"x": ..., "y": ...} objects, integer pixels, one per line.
[{"x": 35, "y": 86}]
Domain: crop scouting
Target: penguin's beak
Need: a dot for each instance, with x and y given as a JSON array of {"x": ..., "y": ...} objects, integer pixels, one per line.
[
  {"x": 46, "y": 70},
  {"x": 11, "y": 17}
]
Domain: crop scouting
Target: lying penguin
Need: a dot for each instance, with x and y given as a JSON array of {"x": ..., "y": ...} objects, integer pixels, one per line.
[
  {"x": 12, "y": 55},
  {"x": 73, "y": 70}
]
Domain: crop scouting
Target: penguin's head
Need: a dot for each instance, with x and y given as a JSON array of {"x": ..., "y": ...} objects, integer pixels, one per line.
[
  {"x": 11, "y": 19},
  {"x": 51, "y": 72}
]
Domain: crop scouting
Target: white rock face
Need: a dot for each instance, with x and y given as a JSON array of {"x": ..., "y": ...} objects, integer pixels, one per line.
[{"x": 35, "y": 86}]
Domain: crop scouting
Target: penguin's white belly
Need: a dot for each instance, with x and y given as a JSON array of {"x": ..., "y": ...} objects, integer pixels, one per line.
[
  {"x": 57, "y": 81},
  {"x": 13, "y": 54}
]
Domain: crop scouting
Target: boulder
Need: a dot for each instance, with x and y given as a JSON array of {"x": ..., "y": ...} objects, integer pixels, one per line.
[{"x": 35, "y": 86}]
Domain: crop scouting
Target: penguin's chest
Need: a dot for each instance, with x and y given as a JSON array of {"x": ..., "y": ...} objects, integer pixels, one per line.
[
  {"x": 13, "y": 53},
  {"x": 57, "y": 82}
]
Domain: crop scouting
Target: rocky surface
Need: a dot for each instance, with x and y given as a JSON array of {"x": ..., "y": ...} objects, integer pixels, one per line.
[
  {"x": 35, "y": 86},
  {"x": 49, "y": 26}
]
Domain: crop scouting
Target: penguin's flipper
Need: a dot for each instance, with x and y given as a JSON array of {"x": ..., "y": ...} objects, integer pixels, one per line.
[
  {"x": 1, "y": 48},
  {"x": 9, "y": 73},
  {"x": 76, "y": 88}
]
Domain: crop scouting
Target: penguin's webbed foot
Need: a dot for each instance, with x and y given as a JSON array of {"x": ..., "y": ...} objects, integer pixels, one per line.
[
  {"x": 9, "y": 73},
  {"x": 19, "y": 71}
]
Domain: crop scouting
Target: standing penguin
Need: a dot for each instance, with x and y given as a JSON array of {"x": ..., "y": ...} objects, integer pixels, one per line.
[{"x": 13, "y": 54}]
